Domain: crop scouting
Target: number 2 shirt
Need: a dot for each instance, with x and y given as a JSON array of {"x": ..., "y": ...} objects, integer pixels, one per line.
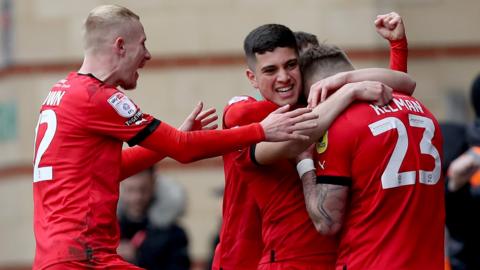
[
  {"x": 83, "y": 123},
  {"x": 395, "y": 214}
]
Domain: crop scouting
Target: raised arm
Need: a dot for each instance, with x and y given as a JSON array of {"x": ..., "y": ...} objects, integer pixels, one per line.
[{"x": 390, "y": 26}]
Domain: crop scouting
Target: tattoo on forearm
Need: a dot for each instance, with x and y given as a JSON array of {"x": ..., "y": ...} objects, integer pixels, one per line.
[
  {"x": 325, "y": 203},
  {"x": 322, "y": 196},
  {"x": 331, "y": 205}
]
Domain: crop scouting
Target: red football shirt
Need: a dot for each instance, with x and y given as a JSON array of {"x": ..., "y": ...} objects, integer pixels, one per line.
[
  {"x": 79, "y": 161},
  {"x": 395, "y": 215},
  {"x": 82, "y": 126},
  {"x": 241, "y": 243},
  {"x": 286, "y": 229}
]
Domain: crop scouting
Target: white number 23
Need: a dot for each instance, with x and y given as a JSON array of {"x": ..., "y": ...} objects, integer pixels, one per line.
[{"x": 391, "y": 177}]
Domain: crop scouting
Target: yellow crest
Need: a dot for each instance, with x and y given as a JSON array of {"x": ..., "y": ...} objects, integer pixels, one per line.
[{"x": 322, "y": 145}]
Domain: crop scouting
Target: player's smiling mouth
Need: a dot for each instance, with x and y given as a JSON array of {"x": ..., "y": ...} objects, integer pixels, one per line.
[{"x": 284, "y": 89}]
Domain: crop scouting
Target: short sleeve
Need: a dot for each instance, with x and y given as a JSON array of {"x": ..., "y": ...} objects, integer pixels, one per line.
[
  {"x": 245, "y": 110},
  {"x": 333, "y": 154}
]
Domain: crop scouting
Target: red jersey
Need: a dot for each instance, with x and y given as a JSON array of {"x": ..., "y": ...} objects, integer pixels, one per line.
[
  {"x": 395, "y": 215},
  {"x": 241, "y": 243},
  {"x": 79, "y": 162},
  {"x": 78, "y": 143},
  {"x": 286, "y": 229}
]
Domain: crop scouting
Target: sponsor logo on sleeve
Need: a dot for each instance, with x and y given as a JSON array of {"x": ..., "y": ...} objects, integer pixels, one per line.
[
  {"x": 123, "y": 105},
  {"x": 322, "y": 145},
  {"x": 321, "y": 164},
  {"x": 137, "y": 119}
]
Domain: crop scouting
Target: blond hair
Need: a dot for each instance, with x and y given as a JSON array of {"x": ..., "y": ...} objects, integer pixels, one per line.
[{"x": 105, "y": 21}]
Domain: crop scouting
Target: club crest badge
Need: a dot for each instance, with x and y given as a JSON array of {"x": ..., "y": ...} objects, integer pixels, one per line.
[
  {"x": 322, "y": 145},
  {"x": 123, "y": 105}
]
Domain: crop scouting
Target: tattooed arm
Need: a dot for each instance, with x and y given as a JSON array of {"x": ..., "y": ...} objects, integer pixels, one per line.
[{"x": 325, "y": 203}]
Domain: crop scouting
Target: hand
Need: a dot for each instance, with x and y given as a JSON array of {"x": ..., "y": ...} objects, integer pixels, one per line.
[
  {"x": 377, "y": 92},
  {"x": 198, "y": 119},
  {"x": 390, "y": 26},
  {"x": 321, "y": 89},
  {"x": 461, "y": 170},
  {"x": 282, "y": 125},
  {"x": 127, "y": 250}
]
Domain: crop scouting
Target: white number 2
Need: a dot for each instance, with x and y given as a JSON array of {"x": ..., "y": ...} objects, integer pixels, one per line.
[
  {"x": 50, "y": 118},
  {"x": 391, "y": 177}
]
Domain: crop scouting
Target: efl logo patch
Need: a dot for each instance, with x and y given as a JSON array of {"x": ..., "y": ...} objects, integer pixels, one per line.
[
  {"x": 322, "y": 145},
  {"x": 123, "y": 105}
]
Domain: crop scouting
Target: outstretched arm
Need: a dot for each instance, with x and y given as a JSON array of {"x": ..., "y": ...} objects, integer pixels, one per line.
[
  {"x": 136, "y": 159},
  {"x": 281, "y": 125}
]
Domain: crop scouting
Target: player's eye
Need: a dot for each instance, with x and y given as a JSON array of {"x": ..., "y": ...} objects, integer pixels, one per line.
[
  {"x": 269, "y": 70},
  {"x": 292, "y": 64}
]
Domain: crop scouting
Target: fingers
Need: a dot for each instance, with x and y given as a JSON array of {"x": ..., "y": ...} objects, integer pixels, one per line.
[
  {"x": 282, "y": 109},
  {"x": 396, "y": 20},
  {"x": 304, "y": 117},
  {"x": 303, "y": 125},
  {"x": 297, "y": 112},
  {"x": 212, "y": 127},
  {"x": 313, "y": 97},
  {"x": 385, "y": 97},
  {"x": 297, "y": 136},
  {"x": 389, "y": 20},
  {"x": 198, "y": 108},
  {"x": 208, "y": 121},
  {"x": 205, "y": 114},
  {"x": 323, "y": 94}
]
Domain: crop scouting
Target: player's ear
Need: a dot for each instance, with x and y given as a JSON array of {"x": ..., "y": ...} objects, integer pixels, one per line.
[
  {"x": 119, "y": 46},
  {"x": 251, "y": 77}
]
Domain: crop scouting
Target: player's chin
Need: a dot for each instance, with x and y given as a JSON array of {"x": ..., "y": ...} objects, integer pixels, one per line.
[
  {"x": 129, "y": 85},
  {"x": 286, "y": 101}
]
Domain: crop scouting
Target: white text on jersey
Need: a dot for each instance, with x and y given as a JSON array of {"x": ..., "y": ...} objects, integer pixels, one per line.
[
  {"x": 54, "y": 98},
  {"x": 398, "y": 105}
]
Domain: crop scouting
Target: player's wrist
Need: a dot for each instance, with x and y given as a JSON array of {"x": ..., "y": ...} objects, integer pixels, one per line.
[
  {"x": 400, "y": 43},
  {"x": 304, "y": 166}
]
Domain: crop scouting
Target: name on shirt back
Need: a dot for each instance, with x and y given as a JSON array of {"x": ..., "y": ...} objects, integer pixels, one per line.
[{"x": 398, "y": 104}]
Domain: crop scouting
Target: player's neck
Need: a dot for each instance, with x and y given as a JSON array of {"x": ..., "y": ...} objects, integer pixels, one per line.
[{"x": 100, "y": 68}]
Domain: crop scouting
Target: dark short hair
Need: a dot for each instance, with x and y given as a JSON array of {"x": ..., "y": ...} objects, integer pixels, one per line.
[
  {"x": 305, "y": 40},
  {"x": 267, "y": 38}
]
